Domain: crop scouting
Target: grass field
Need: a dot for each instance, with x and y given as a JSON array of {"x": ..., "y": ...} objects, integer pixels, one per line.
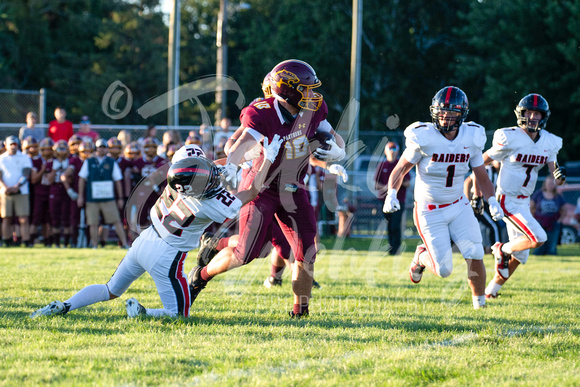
[{"x": 369, "y": 325}]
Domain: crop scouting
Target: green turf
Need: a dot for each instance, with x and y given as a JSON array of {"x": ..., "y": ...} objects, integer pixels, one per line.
[{"x": 369, "y": 325}]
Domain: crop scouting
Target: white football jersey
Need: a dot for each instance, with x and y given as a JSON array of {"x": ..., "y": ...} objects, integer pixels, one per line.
[
  {"x": 442, "y": 164},
  {"x": 521, "y": 158},
  {"x": 181, "y": 220}
]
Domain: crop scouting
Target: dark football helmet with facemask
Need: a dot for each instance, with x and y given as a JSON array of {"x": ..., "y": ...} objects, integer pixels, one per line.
[
  {"x": 449, "y": 98},
  {"x": 533, "y": 102}
]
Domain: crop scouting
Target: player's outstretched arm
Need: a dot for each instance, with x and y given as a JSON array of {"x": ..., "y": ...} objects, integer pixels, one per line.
[{"x": 270, "y": 153}]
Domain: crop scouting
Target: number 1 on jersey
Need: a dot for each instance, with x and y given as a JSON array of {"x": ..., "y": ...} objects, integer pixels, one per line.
[{"x": 450, "y": 174}]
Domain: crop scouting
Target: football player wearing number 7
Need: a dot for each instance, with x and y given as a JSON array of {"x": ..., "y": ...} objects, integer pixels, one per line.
[
  {"x": 193, "y": 199},
  {"x": 443, "y": 151},
  {"x": 522, "y": 150}
]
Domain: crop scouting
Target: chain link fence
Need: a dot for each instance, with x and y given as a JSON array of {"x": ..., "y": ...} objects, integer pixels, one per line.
[
  {"x": 14, "y": 104},
  {"x": 359, "y": 191}
]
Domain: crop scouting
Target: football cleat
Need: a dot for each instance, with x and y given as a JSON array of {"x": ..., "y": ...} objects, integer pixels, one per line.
[
  {"x": 502, "y": 260},
  {"x": 207, "y": 249},
  {"x": 196, "y": 283},
  {"x": 297, "y": 315},
  {"x": 271, "y": 282},
  {"x": 134, "y": 308},
  {"x": 492, "y": 296},
  {"x": 315, "y": 284},
  {"x": 416, "y": 270},
  {"x": 54, "y": 308}
]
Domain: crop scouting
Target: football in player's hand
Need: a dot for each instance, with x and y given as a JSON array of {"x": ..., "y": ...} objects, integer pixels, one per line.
[{"x": 319, "y": 140}]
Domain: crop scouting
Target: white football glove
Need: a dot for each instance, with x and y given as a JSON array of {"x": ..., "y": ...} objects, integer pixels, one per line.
[
  {"x": 391, "y": 202},
  {"x": 332, "y": 155},
  {"x": 559, "y": 172},
  {"x": 230, "y": 174},
  {"x": 72, "y": 194},
  {"x": 495, "y": 209},
  {"x": 337, "y": 169},
  {"x": 271, "y": 150}
]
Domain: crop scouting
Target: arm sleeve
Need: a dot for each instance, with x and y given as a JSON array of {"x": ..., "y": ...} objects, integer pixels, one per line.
[
  {"x": 84, "y": 172},
  {"x": 117, "y": 175}
]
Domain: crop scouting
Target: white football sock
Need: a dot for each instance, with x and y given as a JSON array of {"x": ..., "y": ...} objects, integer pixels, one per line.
[
  {"x": 478, "y": 301},
  {"x": 159, "y": 313},
  {"x": 492, "y": 288},
  {"x": 89, "y": 295}
]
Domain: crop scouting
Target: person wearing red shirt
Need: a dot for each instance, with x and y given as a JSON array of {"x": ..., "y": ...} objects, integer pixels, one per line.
[
  {"x": 61, "y": 128},
  {"x": 85, "y": 132}
]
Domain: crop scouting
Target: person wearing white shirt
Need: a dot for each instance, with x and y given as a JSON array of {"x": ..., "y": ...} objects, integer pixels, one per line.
[
  {"x": 99, "y": 177},
  {"x": 14, "y": 173}
]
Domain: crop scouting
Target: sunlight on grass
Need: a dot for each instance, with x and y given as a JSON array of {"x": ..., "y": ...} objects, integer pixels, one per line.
[{"x": 369, "y": 325}]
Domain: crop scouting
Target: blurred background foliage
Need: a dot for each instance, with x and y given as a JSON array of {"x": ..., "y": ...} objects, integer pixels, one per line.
[{"x": 497, "y": 51}]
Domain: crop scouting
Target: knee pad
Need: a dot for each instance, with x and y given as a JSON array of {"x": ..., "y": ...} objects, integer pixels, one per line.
[{"x": 445, "y": 270}]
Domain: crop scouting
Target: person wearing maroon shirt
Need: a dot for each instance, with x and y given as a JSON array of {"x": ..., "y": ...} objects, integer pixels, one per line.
[
  {"x": 41, "y": 168},
  {"x": 143, "y": 167},
  {"x": 71, "y": 182},
  {"x": 381, "y": 179},
  {"x": 295, "y": 113},
  {"x": 59, "y": 200},
  {"x": 30, "y": 147},
  {"x": 61, "y": 128}
]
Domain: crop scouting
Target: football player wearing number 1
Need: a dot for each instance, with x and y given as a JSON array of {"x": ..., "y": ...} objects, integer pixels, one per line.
[
  {"x": 192, "y": 200},
  {"x": 522, "y": 150},
  {"x": 443, "y": 151}
]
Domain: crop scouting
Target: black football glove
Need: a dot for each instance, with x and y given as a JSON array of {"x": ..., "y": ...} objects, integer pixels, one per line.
[
  {"x": 559, "y": 172},
  {"x": 477, "y": 205}
]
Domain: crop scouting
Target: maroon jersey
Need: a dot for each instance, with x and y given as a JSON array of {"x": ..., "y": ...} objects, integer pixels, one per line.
[
  {"x": 146, "y": 167},
  {"x": 75, "y": 163},
  {"x": 289, "y": 168},
  {"x": 42, "y": 188},
  {"x": 124, "y": 164}
]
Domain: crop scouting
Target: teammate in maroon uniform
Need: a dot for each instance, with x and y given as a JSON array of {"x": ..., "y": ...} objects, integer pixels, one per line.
[
  {"x": 59, "y": 200},
  {"x": 73, "y": 145},
  {"x": 146, "y": 165},
  {"x": 295, "y": 113},
  {"x": 30, "y": 147},
  {"x": 41, "y": 168},
  {"x": 85, "y": 150}
]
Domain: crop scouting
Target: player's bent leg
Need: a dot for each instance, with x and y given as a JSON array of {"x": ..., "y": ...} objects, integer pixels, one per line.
[{"x": 171, "y": 284}]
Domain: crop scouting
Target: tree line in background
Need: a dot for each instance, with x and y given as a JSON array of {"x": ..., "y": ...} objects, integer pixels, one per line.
[{"x": 497, "y": 51}]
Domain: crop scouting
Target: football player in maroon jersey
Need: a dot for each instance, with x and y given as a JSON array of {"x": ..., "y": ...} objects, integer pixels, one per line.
[
  {"x": 41, "y": 186},
  {"x": 295, "y": 113},
  {"x": 59, "y": 200}
]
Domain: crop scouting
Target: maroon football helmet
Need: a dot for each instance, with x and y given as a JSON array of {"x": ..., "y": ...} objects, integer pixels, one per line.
[
  {"x": 61, "y": 150},
  {"x": 266, "y": 86},
  {"x": 294, "y": 81}
]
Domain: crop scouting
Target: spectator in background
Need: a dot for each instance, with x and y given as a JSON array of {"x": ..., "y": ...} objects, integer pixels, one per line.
[
  {"x": 125, "y": 137},
  {"x": 381, "y": 179},
  {"x": 61, "y": 128},
  {"x": 193, "y": 139},
  {"x": 170, "y": 137},
  {"x": 223, "y": 133},
  {"x": 547, "y": 205},
  {"x": 14, "y": 173},
  {"x": 99, "y": 178},
  {"x": 40, "y": 185},
  {"x": 85, "y": 132},
  {"x": 151, "y": 131},
  {"x": 30, "y": 129},
  {"x": 206, "y": 141}
]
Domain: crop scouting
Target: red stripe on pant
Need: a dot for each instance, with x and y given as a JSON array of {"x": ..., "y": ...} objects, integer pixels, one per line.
[
  {"x": 523, "y": 228},
  {"x": 416, "y": 216}
]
